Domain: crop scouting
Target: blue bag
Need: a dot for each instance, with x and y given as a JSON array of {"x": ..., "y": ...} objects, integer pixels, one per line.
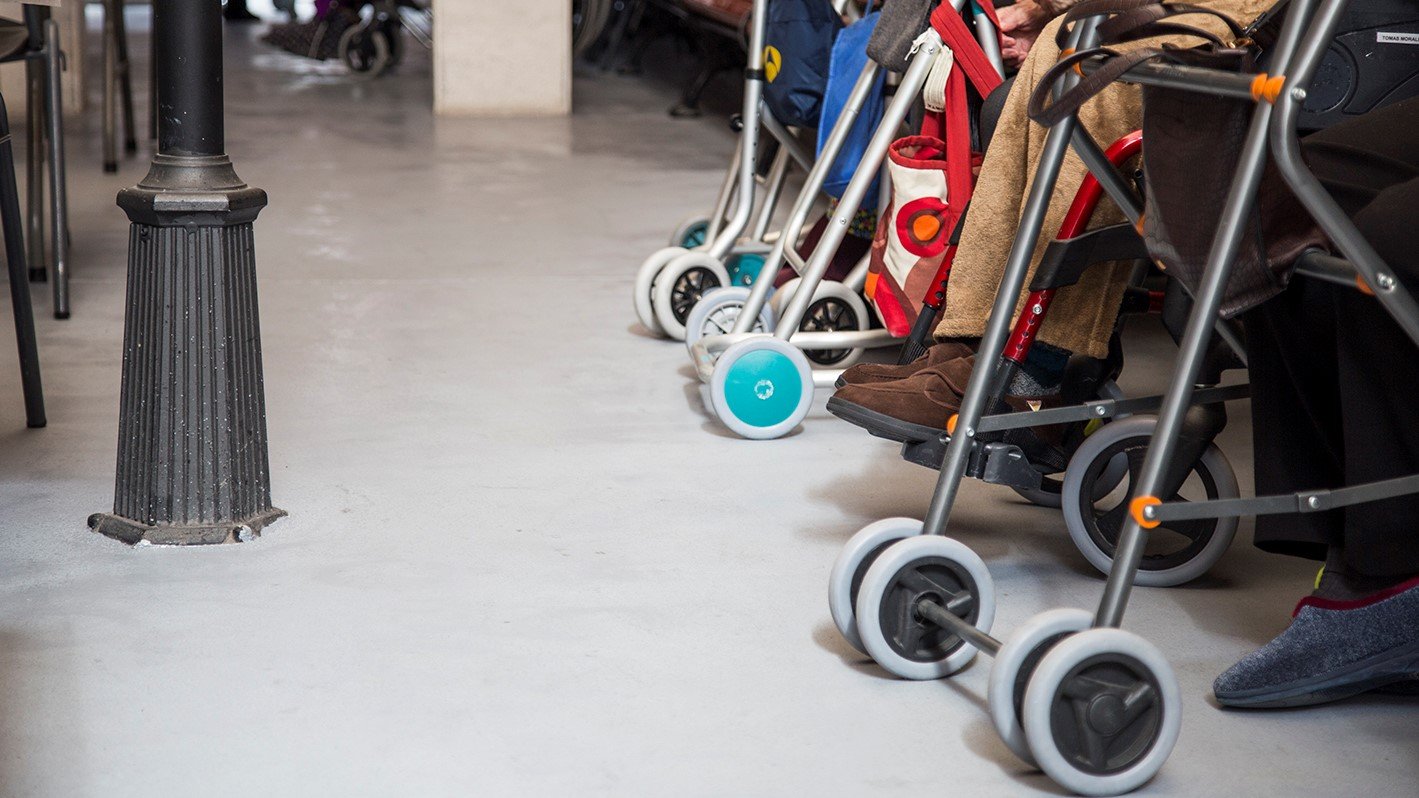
[
  {"x": 849, "y": 59},
  {"x": 799, "y": 46}
]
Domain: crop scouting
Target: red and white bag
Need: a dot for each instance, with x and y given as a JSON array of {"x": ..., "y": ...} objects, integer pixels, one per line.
[{"x": 932, "y": 177}]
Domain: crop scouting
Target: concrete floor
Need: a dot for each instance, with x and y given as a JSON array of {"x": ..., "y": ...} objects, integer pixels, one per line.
[{"x": 520, "y": 558}]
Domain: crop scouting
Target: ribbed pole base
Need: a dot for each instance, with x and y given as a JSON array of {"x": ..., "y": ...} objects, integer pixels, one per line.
[{"x": 192, "y": 453}]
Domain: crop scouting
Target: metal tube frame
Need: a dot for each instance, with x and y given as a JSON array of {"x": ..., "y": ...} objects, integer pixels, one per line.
[
  {"x": 986, "y": 382},
  {"x": 861, "y": 182},
  {"x": 1364, "y": 270},
  {"x": 807, "y": 197},
  {"x": 1208, "y": 299},
  {"x": 749, "y": 137},
  {"x": 58, "y": 196}
]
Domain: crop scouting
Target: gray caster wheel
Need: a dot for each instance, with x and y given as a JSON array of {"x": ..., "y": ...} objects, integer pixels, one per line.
[
  {"x": 761, "y": 388},
  {"x": 851, "y": 566},
  {"x": 717, "y": 311},
  {"x": 835, "y": 308},
  {"x": 909, "y": 578},
  {"x": 1179, "y": 551},
  {"x": 1102, "y": 712},
  {"x": 643, "y": 294},
  {"x": 679, "y": 287},
  {"x": 1015, "y": 662}
]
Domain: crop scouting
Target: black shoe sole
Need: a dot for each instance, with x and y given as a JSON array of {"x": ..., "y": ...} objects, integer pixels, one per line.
[{"x": 882, "y": 425}]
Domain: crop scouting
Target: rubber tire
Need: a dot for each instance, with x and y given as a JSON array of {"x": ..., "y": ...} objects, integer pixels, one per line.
[
  {"x": 827, "y": 289},
  {"x": 381, "y": 43},
  {"x": 642, "y": 294},
  {"x": 1073, "y": 507},
  {"x": 664, "y": 288},
  {"x": 852, "y": 563},
  {"x": 723, "y": 298},
  {"x": 880, "y": 575},
  {"x": 1045, "y": 681},
  {"x": 1005, "y": 671},
  {"x": 724, "y": 369},
  {"x": 682, "y": 231}
]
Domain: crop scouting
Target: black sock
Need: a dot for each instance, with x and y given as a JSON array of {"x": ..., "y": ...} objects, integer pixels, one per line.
[
  {"x": 1340, "y": 582},
  {"x": 1042, "y": 373}
]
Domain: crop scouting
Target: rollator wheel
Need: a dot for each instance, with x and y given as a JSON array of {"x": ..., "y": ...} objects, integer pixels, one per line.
[
  {"x": 1178, "y": 551},
  {"x": 1102, "y": 712},
  {"x": 1015, "y": 663},
  {"x": 679, "y": 287},
  {"x": 643, "y": 295},
  {"x": 835, "y": 308},
  {"x": 893, "y": 631},
  {"x": 365, "y": 50},
  {"x": 691, "y": 233},
  {"x": 861, "y": 551},
  {"x": 745, "y": 267},
  {"x": 717, "y": 311},
  {"x": 761, "y": 388}
]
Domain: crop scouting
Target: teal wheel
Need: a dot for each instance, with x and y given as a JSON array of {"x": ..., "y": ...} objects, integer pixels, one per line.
[
  {"x": 744, "y": 269},
  {"x": 691, "y": 233},
  {"x": 762, "y": 388}
]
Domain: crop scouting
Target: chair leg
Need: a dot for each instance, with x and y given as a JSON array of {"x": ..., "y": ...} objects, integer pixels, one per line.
[
  {"x": 12, "y": 224},
  {"x": 111, "y": 10},
  {"x": 125, "y": 83},
  {"x": 34, "y": 169},
  {"x": 58, "y": 198}
]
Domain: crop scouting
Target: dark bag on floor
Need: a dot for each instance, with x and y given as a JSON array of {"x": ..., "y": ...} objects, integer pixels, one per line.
[
  {"x": 1192, "y": 145},
  {"x": 898, "y": 27},
  {"x": 796, "y": 57}
]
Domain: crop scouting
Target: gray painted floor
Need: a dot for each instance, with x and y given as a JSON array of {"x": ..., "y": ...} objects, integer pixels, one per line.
[{"x": 520, "y": 558}]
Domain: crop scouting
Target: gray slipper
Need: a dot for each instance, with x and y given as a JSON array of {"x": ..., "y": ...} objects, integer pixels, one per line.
[{"x": 1332, "y": 650}]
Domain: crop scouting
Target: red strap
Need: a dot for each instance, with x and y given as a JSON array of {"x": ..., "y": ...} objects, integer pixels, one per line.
[{"x": 969, "y": 56}]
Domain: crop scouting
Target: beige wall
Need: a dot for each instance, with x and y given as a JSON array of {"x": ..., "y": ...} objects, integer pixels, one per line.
[{"x": 502, "y": 57}]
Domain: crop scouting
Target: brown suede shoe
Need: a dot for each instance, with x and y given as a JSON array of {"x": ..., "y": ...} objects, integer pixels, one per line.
[
  {"x": 871, "y": 373},
  {"x": 915, "y": 408},
  {"x": 918, "y": 408}
]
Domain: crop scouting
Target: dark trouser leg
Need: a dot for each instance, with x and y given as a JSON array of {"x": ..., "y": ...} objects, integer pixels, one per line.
[
  {"x": 1296, "y": 413},
  {"x": 1379, "y": 386},
  {"x": 1334, "y": 378}
]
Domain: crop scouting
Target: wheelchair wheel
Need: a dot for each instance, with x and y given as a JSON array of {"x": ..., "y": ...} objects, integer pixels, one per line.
[
  {"x": 1178, "y": 551},
  {"x": 366, "y": 50}
]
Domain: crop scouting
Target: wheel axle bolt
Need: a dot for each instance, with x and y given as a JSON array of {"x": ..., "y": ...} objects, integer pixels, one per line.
[
  {"x": 1106, "y": 714},
  {"x": 1385, "y": 281}
]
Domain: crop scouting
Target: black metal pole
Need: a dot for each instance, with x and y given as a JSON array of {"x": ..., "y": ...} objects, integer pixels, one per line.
[{"x": 192, "y": 454}]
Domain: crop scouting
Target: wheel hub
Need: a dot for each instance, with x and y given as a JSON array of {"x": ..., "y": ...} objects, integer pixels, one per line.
[
  {"x": 1106, "y": 715},
  {"x": 910, "y": 633}
]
